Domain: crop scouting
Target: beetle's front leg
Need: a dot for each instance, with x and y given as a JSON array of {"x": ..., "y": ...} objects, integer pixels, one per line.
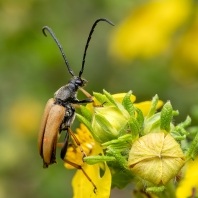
[
  {"x": 89, "y": 99},
  {"x": 85, "y": 92},
  {"x": 85, "y": 101}
]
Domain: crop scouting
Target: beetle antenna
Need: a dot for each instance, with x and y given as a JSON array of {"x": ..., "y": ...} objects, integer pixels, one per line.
[
  {"x": 59, "y": 45},
  {"x": 88, "y": 40}
]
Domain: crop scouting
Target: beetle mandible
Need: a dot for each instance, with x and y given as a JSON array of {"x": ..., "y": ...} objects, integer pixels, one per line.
[{"x": 59, "y": 113}]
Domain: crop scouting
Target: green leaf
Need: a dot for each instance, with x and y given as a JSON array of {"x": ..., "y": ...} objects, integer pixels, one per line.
[
  {"x": 88, "y": 125},
  {"x": 151, "y": 123},
  {"x": 153, "y": 106},
  {"x": 184, "y": 124},
  {"x": 97, "y": 159},
  {"x": 140, "y": 117},
  {"x": 119, "y": 158},
  {"x": 120, "y": 143},
  {"x": 110, "y": 98},
  {"x": 128, "y": 105},
  {"x": 155, "y": 189},
  {"x": 191, "y": 151},
  {"x": 121, "y": 179},
  {"x": 115, "y": 103},
  {"x": 134, "y": 127},
  {"x": 166, "y": 116},
  {"x": 86, "y": 113},
  {"x": 101, "y": 98}
]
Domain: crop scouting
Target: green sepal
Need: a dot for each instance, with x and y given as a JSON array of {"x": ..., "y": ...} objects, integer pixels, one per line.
[
  {"x": 126, "y": 138},
  {"x": 180, "y": 127},
  {"x": 97, "y": 159},
  {"x": 153, "y": 106},
  {"x": 128, "y": 105},
  {"x": 114, "y": 102},
  {"x": 134, "y": 128},
  {"x": 177, "y": 136},
  {"x": 101, "y": 98},
  {"x": 120, "y": 160},
  {"x": 179, "y": 133},
  {"x": 120, "y": 143},
  {"x": 140, "y": 117},
  {"x": 110, "y": 97},
  {"x": 192, "y": 149},
  {"x": 155, "y": 189},
  {"x": 175, "y": 112},
  {"x": 86, "y": 113},
  {"x": 166, "y": 116},
  {"x": 88, "y": 125},
  {"x": 151, "y": 123}
]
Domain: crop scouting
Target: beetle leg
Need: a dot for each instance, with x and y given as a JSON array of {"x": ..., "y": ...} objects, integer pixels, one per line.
[
  {"x": 59, "y": 144},
  {"x": 80, "y": 168},
  {"x": 65, "y": 146},
  {"x": 77, "y": 142},
  {"x": 89, "y": 99},
  {"x": 76, "y": 106},
  {"x": 85, "y": 92},
  {"x": 67, "y": 122},
  {"x": 85, "y": 101}
]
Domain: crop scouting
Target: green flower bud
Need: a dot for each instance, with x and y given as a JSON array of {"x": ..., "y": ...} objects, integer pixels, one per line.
[
  {"x": 109, "y": 122},
  {"x": 156, "y": 158}
]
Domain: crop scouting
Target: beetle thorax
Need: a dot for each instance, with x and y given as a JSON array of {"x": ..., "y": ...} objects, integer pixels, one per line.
[{"x": 66, "y": 93}]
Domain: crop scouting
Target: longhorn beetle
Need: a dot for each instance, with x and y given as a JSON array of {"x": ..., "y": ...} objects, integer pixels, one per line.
[{"x": 59, "y": 113}]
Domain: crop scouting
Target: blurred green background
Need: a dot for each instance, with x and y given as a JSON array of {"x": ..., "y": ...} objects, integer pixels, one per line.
[{"x": 153, "y": 49}]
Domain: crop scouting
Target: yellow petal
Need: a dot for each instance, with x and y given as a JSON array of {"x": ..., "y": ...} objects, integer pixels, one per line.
[
  {"x": 119, "y": 97},
  {"x": 83, "y": 188},
  {"x": 190, "y": 180},
  {"x": 145, "y": 106}
]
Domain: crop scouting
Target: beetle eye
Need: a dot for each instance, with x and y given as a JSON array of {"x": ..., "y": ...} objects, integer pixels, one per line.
[{"x": 79, "y": 82}]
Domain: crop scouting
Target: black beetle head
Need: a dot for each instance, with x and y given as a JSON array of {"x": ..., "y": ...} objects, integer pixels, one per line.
[{"x": 78, "y": 81}]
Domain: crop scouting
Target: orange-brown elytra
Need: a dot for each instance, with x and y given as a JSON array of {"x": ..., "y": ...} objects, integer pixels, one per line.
[{"x": 59, "y": 113}]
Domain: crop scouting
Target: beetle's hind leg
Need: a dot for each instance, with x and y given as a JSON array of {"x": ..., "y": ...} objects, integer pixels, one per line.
[
  {"x": 64, "y": 151},
  {"x": 80, "y": 168}
]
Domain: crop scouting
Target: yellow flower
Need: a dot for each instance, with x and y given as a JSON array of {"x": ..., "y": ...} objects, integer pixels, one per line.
[
  {"x": 147, "y": 30},
  {"x": 190, "y": 180},
  {"x": 186, "y": 54},
  {"x": 24, "y": 116},
  {"x": 82, "y": 187}
]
